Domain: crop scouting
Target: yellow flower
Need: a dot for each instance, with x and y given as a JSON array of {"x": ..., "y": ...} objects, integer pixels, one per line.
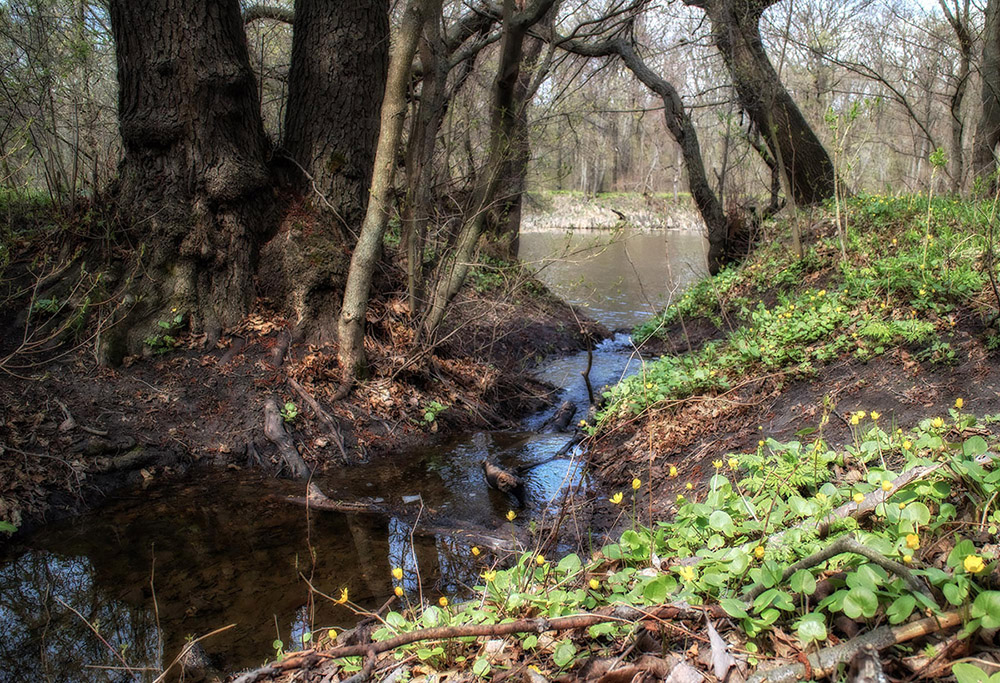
[
  {"x": 540, "y": 560},
  {"x": 821, "y": 497},
  {"x": 648, "y": 385},
  {"x": 476, "y": 551},
  {"x": 443, "y": 601},
  {"x": 733, "y": 463},
  {"x": 717, "y": 464},
  {"x": 511, "y": 515},
  {"x": 875, "y": 416},
  {"x": 907, "y": 445},
  {"x": 902, "y": 506},
  {"x": 343, "y": 597},
  {"x": 636, "y": 484},
  {"x": 937, "y": 422},
  {"x": 821, "y": 292},
  {"x": 689, "y": 486},
  {"x": 489, "y": 577},
  {"x": 594, "y": 584},
  {"x": 398, "y": 590},
  {"x": 617, "y": 498},
  {"x": 673, "y": 470},
  {"x": 759, "y": 552},
  {"x": 686, "y": 573},
  {"x": 907, "y": 559},
  {"x": 855, "y": 420},
  {"x": 912, "y": 541},
  {"x": 397, "y": 573},
  {"x": 973, "y": 564},
  {"x": 893, "y": 241},
  {"x": 761, "y": 442},
  {"x": 922, "y": 292},
  {"x": 959, "y": 403},
  {"x": 887, "y": 486},
  {"x": 858, "y": 498}
]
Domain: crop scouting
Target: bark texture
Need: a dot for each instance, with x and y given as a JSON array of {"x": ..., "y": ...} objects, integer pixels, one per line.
[
  {"x": 736, "y": 32},
  {"x": 988, "y": 129},
  {"x": 193, "y": 177}
]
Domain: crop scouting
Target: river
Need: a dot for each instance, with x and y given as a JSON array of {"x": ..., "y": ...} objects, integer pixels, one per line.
[{"x": 115, "y": 594}]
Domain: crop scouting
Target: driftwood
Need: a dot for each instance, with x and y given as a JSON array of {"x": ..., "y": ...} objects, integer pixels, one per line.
[
  {"x": 560, "y": 420},
  {"x": 332, "y": 429},
  {"x": 274, "y": 430},
  {"x": 826, "y": 661},
  {"x": 503, "y": 480}
]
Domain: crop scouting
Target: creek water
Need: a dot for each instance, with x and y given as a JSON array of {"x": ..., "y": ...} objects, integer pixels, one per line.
[{"x": 113, "y": 595}]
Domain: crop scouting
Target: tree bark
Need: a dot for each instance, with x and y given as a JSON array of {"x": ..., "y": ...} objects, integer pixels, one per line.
[
  {"x": 958, "y": 17},
  {"x": 193, "y": 173},
  {"x": 736, "y": 32},
  {"x": 682, "y": 130},
  {"x": 351, "y": 323},
  {"x": 988, "y": 129}
]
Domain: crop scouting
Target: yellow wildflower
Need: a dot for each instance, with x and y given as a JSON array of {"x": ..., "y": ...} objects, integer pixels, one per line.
[
  {"x": 443, "y": 601},
  {"x": 822, "y": 497},
  {"x": 673, "y": 470},
  {"x": 907, "y": 559},
  {"x": 617, "y": 498},
  {"x": 887, "y": 486},
  {"x": 907, "y": 445},
  {"x": 476, "y": 551},
  {"x": 733, "y": 463},
  {"x": 912, "y": 541},
  {"x": 855, "y": 420},
  {"x": 343, "y": 597},
  {"x": 858, "y": 498},
  {"x": 902, "y": 506},
  {"x": 594, "y": 584},
  {"x": 398, "y": 590},
  {"x": 821, "y": 292},
  {"x": 686, "y": 573},
  {"x": 540, "y": 560},
  {"x": 689, "y": 486},
  {"x": 760, "y": 443},
  {"x": 875, "y": 416},
  {"x": 959, "y": 403},
  {"x": 511, "y": 515},
  {"x": 397, "y": 573},
  {"x": 759, "y": 552},
  {"x": 680, "y": 499},
  {"x": 937, "y": 422},
  {"x": 636, "y": 484},
  {"x": 974, "y": 564},
  {"x": 717, "y": 464},
  {"x": 489, "y": 576}
]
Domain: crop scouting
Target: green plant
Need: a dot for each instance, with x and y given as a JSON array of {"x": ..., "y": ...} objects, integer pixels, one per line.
[
  {"x": 431, "y": 410},
  {"x": 289, "y": 411}
]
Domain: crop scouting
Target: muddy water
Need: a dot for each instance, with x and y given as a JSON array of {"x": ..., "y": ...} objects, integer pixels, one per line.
[{"x": 128, "y": 584}]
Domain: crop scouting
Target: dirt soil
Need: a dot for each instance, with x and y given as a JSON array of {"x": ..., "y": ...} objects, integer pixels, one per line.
[
  {"x": 692, "y": 433},
  {"x": 72, "y": 431}
]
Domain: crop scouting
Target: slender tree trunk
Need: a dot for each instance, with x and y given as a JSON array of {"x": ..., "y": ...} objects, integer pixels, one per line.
[
  {"x": 958, "y": 17},
  {"x": 736, "y": 31},
  {"x": 988, "y": 129},
  {"x": 193, "y": 172},
  {"x": 351, "y": 323}
]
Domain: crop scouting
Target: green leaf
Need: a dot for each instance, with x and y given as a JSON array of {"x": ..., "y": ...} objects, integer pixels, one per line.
[
  {"x": 967, "y": 673},
  {"x": 956, "y": 593},
  {"x": 656, "y": 591},
  {"x": 8, "y": 527},
  {"x": 395, "y": 619},
  {"x": 803, "y": 581},
  {"x": 734, "y": 608},
  {"x": 306, "y": 637},
  {"x": 962, "y": 549},
  {"x": 722, "y": 522},
  {"x": 481, "y": 667},
  {"x": 974, "y": 446},
  {"x": 860, "y": 601},
  {"x": 901, "y": 609},
  {"x": 277, "y": 644},
  {"x": 563, "y": 653},
  {"x": 569, "y": 564},
  {"x": 812, "y": 628},
  {"x": 530, "y": 642},
  {"x": 987, "y": 608}
]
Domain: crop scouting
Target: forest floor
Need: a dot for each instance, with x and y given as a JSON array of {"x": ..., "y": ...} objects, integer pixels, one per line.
[
  {"x": 72, "y": 431},
  {"x": 803, "y": 483}
]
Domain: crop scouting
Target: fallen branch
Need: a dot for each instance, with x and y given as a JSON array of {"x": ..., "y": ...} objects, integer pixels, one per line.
[
  {"x": 826, "y": 661},
  {"x": 301, "y": 660},
  {"x": 332, "y": 429},
  {"x": 847, "y": 544},
  {"x": 274, "y": 430}
]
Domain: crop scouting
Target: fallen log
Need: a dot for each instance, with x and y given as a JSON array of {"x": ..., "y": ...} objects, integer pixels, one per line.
[
  {"x": 560, "y": 420},
  {"x": 274, "y": 430}
]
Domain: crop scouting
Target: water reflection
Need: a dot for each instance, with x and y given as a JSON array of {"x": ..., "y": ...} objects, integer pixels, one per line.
[{"x": 619, "y": 277}]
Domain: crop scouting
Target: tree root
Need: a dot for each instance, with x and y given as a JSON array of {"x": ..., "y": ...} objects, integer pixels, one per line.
[
  {"x": 827, "y": 660},
  {"x": 274, "y": 430},
  {"x": 332, "y": 429}
]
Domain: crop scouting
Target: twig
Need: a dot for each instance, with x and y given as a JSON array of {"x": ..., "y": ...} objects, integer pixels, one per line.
[
  {"x": 187, "y": 648},
  {"x": 324, "y": 417},
  {"x": 96, "y": 633}
]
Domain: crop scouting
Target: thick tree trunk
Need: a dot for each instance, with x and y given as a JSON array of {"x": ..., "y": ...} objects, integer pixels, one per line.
[
  {"x": 736, "y": 31},
  {"x": 682, "y": 130},
  {"x": 335, "y": 86},
  {"x": 193, "y": 173},
  {"x": 988, "y": 129},
  {"x": 351, "y": 323}
]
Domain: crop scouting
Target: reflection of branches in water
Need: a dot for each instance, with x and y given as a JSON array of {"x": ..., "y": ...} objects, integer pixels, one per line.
[{"x": 33, "y": 621}]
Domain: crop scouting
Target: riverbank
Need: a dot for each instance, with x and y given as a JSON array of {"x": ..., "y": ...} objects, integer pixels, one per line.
[
  {"x": 565, "y": 211},
  {"x": 74, "y": 431},
  {"x": 804, "y": 479}
]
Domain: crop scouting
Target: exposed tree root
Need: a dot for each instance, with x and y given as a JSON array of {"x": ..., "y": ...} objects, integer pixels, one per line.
[
  {"x": 274, "y": 430},
  {"x": 332, "y": 429}
]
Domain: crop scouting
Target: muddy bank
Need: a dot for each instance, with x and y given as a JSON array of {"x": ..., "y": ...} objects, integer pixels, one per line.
[
  {"x": 544, "y": 211},
  {"x": 73, "y": 431}
]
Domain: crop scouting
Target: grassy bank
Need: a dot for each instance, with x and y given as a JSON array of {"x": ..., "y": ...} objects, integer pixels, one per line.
[{"x": 865, "y": 511}]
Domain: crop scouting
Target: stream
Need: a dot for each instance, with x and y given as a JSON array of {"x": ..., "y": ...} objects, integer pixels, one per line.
[{"x": 131, "y": 582}]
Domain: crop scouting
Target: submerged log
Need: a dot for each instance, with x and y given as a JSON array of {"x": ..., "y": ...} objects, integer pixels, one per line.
[
  {"x": 503, "y": 480},
  {"x": 560, "y": 420}
]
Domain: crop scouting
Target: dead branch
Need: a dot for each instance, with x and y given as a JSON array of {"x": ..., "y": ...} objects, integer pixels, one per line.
[
  {"x": 274, "y": 430},
  {"x": 332, "y": 429},
  {"x": 826, "y": 661}
]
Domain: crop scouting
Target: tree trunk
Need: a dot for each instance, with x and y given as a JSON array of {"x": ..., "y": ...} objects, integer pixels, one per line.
[
  {"x": 958, "y": 17},
  {"x": 351, "y": 323},
  {"x": 736, "y": 31},
  {"x": 988, "y": 129},
  {"x": 193, "y": 172},
  {"x": 335, "y": 85}
]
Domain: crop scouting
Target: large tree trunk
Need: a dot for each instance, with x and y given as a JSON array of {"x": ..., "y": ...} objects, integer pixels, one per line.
[
  {"x": 193, "y": 174},
  {"x": 736, "y": 31},
  {"x": 335, "y": 86},
  {"x": 988, "y": 129},
  {"x": 351, "y": 323}
]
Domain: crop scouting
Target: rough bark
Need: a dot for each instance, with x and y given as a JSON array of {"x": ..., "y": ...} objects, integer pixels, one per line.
[
  {"x": 736, "y": 32},
  {"x": 988, "y": 129},
  {"x": 351, "y": 322},
  {"x": 958, "y": 17},
  {"x": 454, "y": 266},
  {"x": 335, "y": 85},
  {"x": 193, "y": 171},
  {"x": 682, "y": 130}
]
